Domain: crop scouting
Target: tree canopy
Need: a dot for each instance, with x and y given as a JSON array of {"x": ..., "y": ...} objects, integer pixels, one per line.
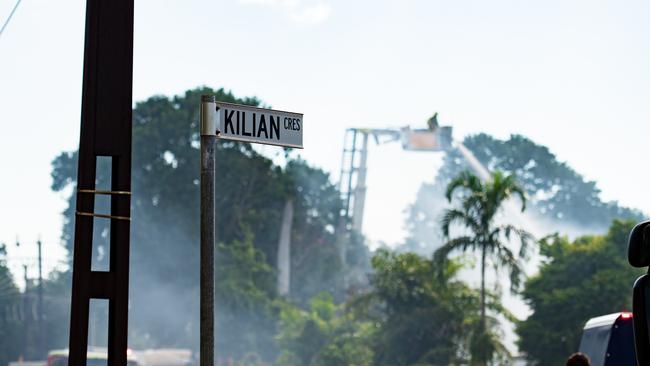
[
  {"x": 10, "y": 314},
  {"x": 577, "y": 280},
  {"x": 557, "y": 193},
  {"x": 251, "y": 192},
  {"x": 413, "y": 310},
  {"x": 480, "y": 202},
  {"x": 411, "y": 316},
  {"x": 421, "y": 320}
]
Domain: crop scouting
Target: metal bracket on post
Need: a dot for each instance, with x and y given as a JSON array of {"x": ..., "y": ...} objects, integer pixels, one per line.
[
  {"x": 208, "y": 115},
  {"x": 208, "y": 137}
]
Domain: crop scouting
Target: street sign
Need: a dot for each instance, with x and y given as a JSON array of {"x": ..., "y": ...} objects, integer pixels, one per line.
[
  {"x": 265, "y": 126},
  {"x": 240, "y": 123}
]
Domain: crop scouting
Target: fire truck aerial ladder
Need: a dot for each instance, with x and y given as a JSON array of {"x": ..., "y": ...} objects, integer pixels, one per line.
[{"x": 354, "y": 160}]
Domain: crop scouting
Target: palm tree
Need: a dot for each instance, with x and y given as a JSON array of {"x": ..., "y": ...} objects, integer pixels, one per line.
[{"x": 480, "y": 203}]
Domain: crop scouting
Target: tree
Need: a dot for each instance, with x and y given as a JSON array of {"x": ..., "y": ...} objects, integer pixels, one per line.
[
  {"x": 421, "y": 320},
  {"x": 578, "y": 280},
  {"x": 251, "y": 192},
  {"x": 315, "y": 261},
  {"x": 410, "y": 316},
  {"x": 323, "y": 335},
  {"x": 556, "y": 193},
  {"x": 56, "y": 308},
  {"x": 480, "y": 203},
  {"x": 423, "y": 314},
  {"x": 11, "y": 333},
  {"x": 245, "y": 295}
]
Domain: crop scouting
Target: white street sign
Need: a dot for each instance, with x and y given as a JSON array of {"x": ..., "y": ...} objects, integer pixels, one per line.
[{"x": 266, "y": 126}]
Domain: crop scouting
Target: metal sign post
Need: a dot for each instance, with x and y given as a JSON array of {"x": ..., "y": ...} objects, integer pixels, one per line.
[
  {"x": 239, "y": 123},
  {"x": 208, "y": 138}
]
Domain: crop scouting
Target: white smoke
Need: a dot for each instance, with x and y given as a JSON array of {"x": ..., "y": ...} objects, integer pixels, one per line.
[{"x": 536, "y": 224}]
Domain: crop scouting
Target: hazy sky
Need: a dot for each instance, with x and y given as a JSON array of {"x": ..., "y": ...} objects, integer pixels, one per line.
[{"x": 572, "y": 75}]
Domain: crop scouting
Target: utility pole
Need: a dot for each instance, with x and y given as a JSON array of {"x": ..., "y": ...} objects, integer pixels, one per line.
[
  {"x": 39, "y": 305},
  {"x": 208, "y": 137},
  {"x": 25, "y": 317},
  {"x": 25, "y": 312},
  {"x": 41, "y": 331}
]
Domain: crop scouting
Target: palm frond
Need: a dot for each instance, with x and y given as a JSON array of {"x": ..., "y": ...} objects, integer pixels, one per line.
[
  {"x": 465, "y": 180},
  {"x": 440, "y": 256},
  {"x": 494, "y": 304},
  {"x": 517, "y": 190},
  {"x": 505, "y": 258},
  {"x": 525, "y": 238},
  {"x": 500, "y": 188},
  {"x": 461, "y": 217}
]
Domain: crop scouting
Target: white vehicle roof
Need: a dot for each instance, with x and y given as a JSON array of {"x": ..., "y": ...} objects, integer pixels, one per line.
[
  {"x": 165, "y": 357},
  {"x": 96, "y": 353},
  {"x": 604, "y": 320}
]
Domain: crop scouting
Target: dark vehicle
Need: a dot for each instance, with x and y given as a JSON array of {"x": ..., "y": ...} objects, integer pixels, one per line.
[
  {"x": 608, "y": 340},
  {"x": 638, "y": 255}
]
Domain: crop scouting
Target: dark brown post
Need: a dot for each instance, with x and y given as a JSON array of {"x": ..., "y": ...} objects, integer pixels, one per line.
[{"x": 105, "y": 131}]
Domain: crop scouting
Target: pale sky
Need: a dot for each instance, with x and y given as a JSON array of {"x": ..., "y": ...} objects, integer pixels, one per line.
[{"x": 572, "y": 75}]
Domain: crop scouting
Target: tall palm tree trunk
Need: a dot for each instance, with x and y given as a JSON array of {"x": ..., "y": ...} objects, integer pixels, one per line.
[
  {"x": 483, "y": 353},
  {"x": 483, "y": 321}
]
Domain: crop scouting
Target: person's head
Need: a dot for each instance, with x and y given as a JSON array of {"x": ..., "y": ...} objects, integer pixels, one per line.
[{"x": 578, "y": 359}]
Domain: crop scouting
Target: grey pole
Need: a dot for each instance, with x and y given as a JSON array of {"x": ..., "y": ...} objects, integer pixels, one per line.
[
  {"x": 360, "y": 189},
  {"x": 41, "y": 331},
  {"x": 208, "y": 136},
  {"x": 25, "y": 354}
]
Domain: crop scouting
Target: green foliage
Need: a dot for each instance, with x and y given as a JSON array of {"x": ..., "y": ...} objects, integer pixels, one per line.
[
  {"x": 246, "y": 310},
  {"x": 419, "y": 325},
  {"x": 56, "y": 307},
  {"x": 245, "y": 279},
  {"x": 9, "y": 301},
  {"x": 323, "y": 335},
  {"x": 315, "y": 260},
  {"x": 410, "y": 316},
  {"x": 479, "y": 204},
  {"x": 19, "y": 330},
  {"x": 558, "y": 190},
  {"x": 577, "y": 281},
  {"x": 415, "y": 313},
  {"x": 555, "y": 191},
  {"x": 420, "y": 317},
  {"x": 251, "y": 192}
]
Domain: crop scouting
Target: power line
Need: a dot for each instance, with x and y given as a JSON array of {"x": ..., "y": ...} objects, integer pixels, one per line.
[{"x": 9, "y": 18}]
